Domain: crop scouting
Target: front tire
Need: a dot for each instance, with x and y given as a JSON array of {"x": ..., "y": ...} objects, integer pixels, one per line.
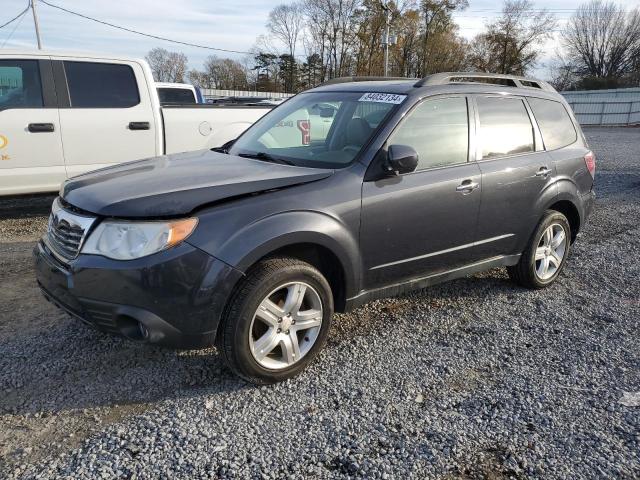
[
  {"x": 546, "y": 254},
  {"x": 277, "y": 320}
]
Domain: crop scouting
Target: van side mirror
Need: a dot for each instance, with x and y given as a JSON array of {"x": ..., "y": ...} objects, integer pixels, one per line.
[{"x": 401, "y": 159}]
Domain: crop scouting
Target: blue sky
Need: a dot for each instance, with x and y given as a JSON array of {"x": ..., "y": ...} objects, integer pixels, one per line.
[{"x": 229, "y": 24}]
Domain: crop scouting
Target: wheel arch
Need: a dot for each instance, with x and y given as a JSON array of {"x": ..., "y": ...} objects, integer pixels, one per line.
[{"x": 313, "y": 237}]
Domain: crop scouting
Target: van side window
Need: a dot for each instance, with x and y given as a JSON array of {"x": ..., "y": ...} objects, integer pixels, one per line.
[
  {"x": 438, "y": 129},
  {"x": 505, "y": 127},
  {"x": 20, "y": 85},
  {"x": 555, "y": 124},
  {"x": 101, "y": 85}
]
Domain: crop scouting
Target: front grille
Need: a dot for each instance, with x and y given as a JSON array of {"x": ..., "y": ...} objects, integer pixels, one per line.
[{"x": 66, "y": 231}]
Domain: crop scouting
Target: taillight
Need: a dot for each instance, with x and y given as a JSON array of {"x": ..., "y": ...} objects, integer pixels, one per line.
[{"x": 590, "y": 162}]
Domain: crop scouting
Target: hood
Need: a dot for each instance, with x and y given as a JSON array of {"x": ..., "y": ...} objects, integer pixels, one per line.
[{"x": 177, "y": 184}]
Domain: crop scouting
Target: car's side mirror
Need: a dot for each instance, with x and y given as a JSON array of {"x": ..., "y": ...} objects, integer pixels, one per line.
[
  {"x": 401, "y": 159},
  {"x": 326, "y": 112}
]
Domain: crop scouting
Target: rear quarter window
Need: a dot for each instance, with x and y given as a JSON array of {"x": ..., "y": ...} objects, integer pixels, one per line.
[{"x": 554, "y": 121}]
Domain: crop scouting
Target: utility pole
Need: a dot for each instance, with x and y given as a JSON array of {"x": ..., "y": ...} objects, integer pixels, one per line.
[
  {"x": 387, "y": 20},
  {"x": 35, "y": 21}
]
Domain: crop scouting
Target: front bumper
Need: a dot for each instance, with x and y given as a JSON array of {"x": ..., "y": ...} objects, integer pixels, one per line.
[{"x": 173, "y": 298}]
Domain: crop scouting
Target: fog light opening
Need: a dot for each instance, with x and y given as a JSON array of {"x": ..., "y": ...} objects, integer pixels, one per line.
[{"x": 132, "y": 328}]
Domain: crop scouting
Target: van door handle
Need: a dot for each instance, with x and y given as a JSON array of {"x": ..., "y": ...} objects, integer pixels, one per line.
[
  {"x": 139, "y": 126},
  {"x": 543, "y": 172},
  {"x": 467, "y": 186},
  {"x": 40, "y": 127}
]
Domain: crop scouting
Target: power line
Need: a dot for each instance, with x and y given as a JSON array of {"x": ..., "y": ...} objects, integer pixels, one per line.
[
  {"x": 14, "y": 28},
  {"x": 142, "y": 33},
  {"x": 16, "y": 17}
]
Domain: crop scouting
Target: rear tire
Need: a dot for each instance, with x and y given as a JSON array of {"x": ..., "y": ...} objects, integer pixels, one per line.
[
  {"x": 545, "y": 255},
  {"x": 277, "y": 320}
]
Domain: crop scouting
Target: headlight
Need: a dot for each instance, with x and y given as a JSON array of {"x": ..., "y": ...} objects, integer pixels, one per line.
[{"x": 122, "y": 240}]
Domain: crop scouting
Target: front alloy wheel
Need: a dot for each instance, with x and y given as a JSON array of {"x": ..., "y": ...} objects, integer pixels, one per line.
[
  {"x": 277, "y": 320},
  {"x": 285, "y": 325}
]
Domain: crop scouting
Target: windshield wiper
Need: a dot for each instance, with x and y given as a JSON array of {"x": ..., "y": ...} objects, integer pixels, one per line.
[{"x": 267, "y": 158}]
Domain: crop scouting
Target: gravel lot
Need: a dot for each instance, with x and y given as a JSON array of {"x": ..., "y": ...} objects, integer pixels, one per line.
[{"x": 472, "y": 379}]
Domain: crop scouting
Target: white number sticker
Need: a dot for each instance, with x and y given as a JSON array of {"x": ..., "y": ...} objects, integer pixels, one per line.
[{"x": 382, "y": 98}]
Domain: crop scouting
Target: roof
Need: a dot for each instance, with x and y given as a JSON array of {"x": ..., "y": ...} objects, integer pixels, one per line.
[
  {"x": 389, "y": 86},
  {"x": 185, "y": 86},
  {"x": 447, "y": 81},
  {"x": 24, "y": 52}
]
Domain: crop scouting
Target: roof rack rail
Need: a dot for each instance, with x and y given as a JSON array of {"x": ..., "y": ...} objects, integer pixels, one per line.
[
  {"x": 333, "y": 81},
  {"x": 483, "y": 77}
]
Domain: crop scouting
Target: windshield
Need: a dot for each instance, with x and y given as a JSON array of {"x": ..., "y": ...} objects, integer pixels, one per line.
[{"x": 323, "y": 130}]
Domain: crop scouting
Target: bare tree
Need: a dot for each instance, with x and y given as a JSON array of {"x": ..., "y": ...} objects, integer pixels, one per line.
[
  {"x": 285, "y": 23},
  {"x": 225, "y": 73},
  {"x": 509, "y": 45},
  {"x": 603, "y": 41},
  {"x": 167, "y": 66}
]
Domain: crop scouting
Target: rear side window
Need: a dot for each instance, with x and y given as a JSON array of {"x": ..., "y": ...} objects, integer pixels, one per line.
[
  {"x": 20, "y": 85},
  {"x": 438, "y": 129},
  {"x": 505, "y": 127},
  {"x": 176, "y": 96},
  {"x": 101, "y": 85},
  {"x": 555, "y": 124}
]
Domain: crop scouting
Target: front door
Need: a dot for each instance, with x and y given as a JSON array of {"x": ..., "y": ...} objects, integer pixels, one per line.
[
  {"x": 423, "y": 222},
  {"x": 31, "y": 157}
]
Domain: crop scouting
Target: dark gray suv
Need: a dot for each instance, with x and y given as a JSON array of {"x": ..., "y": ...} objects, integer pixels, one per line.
[{"x": 345, "y": 193}]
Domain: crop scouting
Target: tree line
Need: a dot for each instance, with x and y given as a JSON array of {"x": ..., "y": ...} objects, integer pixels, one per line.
[{"x": 312, "y": 41}]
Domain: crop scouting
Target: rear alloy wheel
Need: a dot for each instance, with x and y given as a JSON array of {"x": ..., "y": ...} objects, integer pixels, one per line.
[
  {"x": 276, "y": 321},
  {"x": 546, "y": 254},
  {"x": 550, "y": 252}
]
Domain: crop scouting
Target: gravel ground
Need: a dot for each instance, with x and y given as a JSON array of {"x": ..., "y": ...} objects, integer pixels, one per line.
[{"x": 471, "y": 379}]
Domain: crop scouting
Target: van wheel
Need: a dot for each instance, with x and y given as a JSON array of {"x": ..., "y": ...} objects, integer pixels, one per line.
[
  {"x": 277, "y": 320},
  {"x": 545, "y": 256}
]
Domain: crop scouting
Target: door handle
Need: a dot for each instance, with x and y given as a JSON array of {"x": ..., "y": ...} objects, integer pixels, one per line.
[
  {"x": 467, "y": 186},
  {"x": 40, "y": 127},
  {"x": 139, "y": 126},
  {"x": 543, "y": 172}
]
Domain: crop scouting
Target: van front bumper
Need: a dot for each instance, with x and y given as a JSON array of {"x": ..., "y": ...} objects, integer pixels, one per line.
[{"x": 173, "y": 298}]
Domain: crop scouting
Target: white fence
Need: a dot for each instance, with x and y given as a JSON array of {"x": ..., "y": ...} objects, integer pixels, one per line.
[
  {"x": 606, "y": 107},
  {"x": 215, "y": 93}
]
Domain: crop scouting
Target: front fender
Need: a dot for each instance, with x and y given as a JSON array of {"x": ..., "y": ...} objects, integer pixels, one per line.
[{"x": 245, "y": 246}]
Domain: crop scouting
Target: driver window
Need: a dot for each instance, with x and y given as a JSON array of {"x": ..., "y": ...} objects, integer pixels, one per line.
[{"x": 438, "y": 129}]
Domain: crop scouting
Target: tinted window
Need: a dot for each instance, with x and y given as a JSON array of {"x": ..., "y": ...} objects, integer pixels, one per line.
[
  {"x": 20, "y": 84},
  {"x": 554, "y": 121},
  {"x": 101, "y": 85},
  {"x": 505, "y": 127},
  {"x": 438, "y": 130},
  {"x": 173, "y": 96}
]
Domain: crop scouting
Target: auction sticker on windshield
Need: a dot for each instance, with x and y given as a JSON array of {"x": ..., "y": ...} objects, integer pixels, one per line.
[{"x": 382, "y": 98}]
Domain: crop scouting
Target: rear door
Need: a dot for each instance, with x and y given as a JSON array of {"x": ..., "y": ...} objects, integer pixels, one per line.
[
  {"x": 424, "y": 222},
  {"x": 31, "y": 157},
  {"x": 108, "y": 117},
  {"x": 516, "y": 171}
]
